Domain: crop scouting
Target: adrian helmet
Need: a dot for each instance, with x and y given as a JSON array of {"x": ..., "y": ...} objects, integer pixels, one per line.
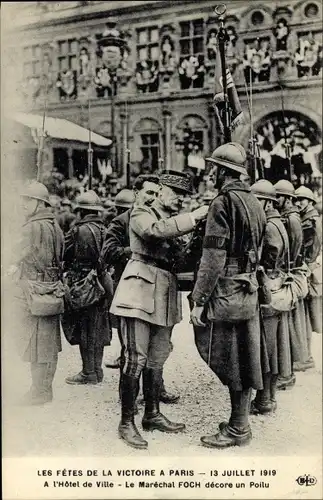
[
  {"x": 264, "y": 190},
  {"x": 37, "y": 191},
  {"x": 88, "y": 201},
  {"x": 125, "y": 198},
  {"x": 304, "y": 192},
  {"x": 230, "y": 155},
  {"x": 285, "y": 188}
]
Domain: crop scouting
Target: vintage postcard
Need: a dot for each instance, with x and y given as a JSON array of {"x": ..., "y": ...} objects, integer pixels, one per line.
[{"x": 161, "y": 249}]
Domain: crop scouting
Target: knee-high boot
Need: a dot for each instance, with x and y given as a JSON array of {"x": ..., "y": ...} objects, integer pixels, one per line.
[
  {"x": 153, "y": 418},
  {"x": 127, "y": 427},
  {"x": 98, "y": 357},
  {"x": 237, "y": 432},
  {"x": 273, "y": 390}
]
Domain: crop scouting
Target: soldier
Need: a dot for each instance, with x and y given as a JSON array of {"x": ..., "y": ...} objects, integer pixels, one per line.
[
  {"x": 312, "y": 243},
  {"x": 40, "y": 258},
  {"x": 296, "y": 318},
  {"x": 66, "y": 218},
  {"x": 148, "y": 303},
  {"x": 276, "y": 356},
  {"x": 88, "y": 327},
  {"x": 234, "y": 229}
]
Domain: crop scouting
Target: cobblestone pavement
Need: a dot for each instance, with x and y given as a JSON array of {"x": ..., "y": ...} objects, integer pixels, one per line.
[{"x": 82, "y": 420}]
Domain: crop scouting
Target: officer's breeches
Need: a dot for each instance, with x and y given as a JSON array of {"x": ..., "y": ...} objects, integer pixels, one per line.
[{"x": 145, "y": 345}]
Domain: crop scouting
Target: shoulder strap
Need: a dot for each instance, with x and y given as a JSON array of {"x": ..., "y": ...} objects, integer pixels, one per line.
[
  {"x": 97, "y": 244},
  {"x": 253, "y": 238},
  {"x": 285, "y": 243},
  {"x": 155, "y": 212}
]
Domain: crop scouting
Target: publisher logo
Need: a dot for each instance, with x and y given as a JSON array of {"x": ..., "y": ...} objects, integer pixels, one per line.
[{"x": 306, "y": 480}]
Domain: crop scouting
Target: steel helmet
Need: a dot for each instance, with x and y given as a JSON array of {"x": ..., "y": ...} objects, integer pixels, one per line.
[
  {"x": 37, "y": 191},
  {"x": 230, "y": 155},
  {"x": 285, "y": 188},
  {"x": 88, "y": 201},
  {"x": 264, "y": 190},
  {"x": 125, "y": 198},
  {"x": 304, "y": 192}
]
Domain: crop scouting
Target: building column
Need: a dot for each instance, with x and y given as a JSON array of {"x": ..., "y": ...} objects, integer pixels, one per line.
[
  {"x": 70, "y": 162},
  {"x": 167, "y": 138}
]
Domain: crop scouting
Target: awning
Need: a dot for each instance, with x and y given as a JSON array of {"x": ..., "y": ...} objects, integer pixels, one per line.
[{"x": 59, "y": 128}]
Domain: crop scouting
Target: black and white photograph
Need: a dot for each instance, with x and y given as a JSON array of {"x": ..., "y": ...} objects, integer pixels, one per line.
[{"x": 161, "y": 230}]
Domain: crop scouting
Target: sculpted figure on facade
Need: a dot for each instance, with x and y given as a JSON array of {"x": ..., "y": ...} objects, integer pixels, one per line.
[
  {"x": 167, "y": 58},
  {"x": 191, "y": 72},
  {"x": 281, "y": 32},
  {"x": 147, "y": 76},
  {"x": 308, "y": 56},
  {"x": 257, "y": 61},
  {"x": 212, "y": 45},
  {"x": 66, "y": 84},
  {"x": 103, "y": 81}
]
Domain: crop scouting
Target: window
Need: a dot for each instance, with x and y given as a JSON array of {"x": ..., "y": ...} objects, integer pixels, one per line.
[
  {"x": 68, "y": 55},
  {"x": 192, "y": 37},
  {"x": 311, "y": 10},
  {"x": 257, "y": 18},
  {"x": 148, "y": 44},
  {"x": 32, "y": 61},
  {"x": 150, "y": 152}
]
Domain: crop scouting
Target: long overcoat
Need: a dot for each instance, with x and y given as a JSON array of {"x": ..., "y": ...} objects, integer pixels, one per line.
[
  {"x": 276, "y": 357},
  {"x": 41, "y": 249},
  {"x": 296, "y": 318},
  {"x": 90, "y": 324},
  {"x": 312, "y": 247},
  {"x": 233, "y": 351},
  {"x": 148, "y": 288}
]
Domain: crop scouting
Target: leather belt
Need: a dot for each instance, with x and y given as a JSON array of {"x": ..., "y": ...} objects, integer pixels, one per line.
[{"x": 161, "y": 264}]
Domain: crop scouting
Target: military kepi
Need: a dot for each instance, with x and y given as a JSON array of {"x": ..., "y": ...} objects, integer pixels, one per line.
[{"x": 176, "y": 180}]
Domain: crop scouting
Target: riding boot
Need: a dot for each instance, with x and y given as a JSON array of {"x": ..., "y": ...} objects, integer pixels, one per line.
[
  {"x": 237, "y": 432},
  {"x": 262, "y": 403},
  {"x": 127, "y": 427},
  {"x": 98, "y": 357},
  {"x": 153, "y": 419}
]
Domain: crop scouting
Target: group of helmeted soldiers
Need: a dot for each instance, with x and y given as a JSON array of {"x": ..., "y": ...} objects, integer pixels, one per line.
[{"x": 255, "y": 300}]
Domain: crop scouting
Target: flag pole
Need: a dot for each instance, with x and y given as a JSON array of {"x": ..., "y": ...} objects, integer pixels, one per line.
[
  {"x": 223, "y": 37},
  {"x": 90, "y": 150}
]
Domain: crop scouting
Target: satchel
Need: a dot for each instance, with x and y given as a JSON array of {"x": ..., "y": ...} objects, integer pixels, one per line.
[
  {"x": 283, "y": 297},
  {"x": 44, "y": 298},
  {"x": 85, "y": 292},
  {"x": 235, "y": 298}
]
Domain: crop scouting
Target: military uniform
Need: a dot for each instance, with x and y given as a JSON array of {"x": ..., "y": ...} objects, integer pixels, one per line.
[
  {"x": 276, "y": 355},
  {"x": 88, "y": 327},
  {"x": 296, "y": 317},
  {"x": 40, "y": 257},
  {"x": 233, "y": 349},
  {"x": 149, "y": 305},
  {"x": 312, "y": 243}
]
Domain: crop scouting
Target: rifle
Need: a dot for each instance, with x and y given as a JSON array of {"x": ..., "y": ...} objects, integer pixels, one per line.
[
  {"x": 90, "y": 150},
  {"x": 254, "y": 159},
  {"x": 42, "y": 136}
]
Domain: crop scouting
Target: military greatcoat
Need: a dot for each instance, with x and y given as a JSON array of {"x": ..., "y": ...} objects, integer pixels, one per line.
[
  {"x": 147, "y": 289},
  {"x": 312, "y": 247},
  {"x": 296, "y": 318},
  {"x": 277, "y": 357},
  {"x": 90, "y": 324},
  {"x": 41, "y": 246},
  {"x": 233, "y": 351}
]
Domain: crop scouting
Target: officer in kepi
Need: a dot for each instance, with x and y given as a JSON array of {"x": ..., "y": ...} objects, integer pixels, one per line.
[
  {"x": 234, "y": 228},
  {"x": 148, "y": 304},
  {"x": 39, "y": 261}
]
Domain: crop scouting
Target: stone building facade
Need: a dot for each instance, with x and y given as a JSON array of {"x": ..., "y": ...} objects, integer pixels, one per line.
[{"x": 162, "y": 75}]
